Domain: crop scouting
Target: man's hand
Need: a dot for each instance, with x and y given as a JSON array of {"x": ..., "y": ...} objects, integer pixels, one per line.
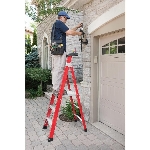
[
  {"x": 80, "y": 33},
  {"x": 79, "y": 25}
]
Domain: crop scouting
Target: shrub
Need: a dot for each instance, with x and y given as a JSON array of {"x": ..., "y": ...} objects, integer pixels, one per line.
[
  {"x": 32, "y": 59},
  {"x": 67, "y": 110},
  {"x": 36, "y": 76},
  {"x": 35, "y": 93}
]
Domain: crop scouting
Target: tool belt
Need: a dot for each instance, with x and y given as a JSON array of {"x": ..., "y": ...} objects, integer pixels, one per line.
[{"x": 57, "y": 48}]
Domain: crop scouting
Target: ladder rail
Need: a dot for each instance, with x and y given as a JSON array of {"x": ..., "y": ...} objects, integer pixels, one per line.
[
  {"x": 58, "y": 103},
  {"x": 78, "y": 98},
  {"x": 48, "y": 112},
  {"x": 52, "y": 122}
]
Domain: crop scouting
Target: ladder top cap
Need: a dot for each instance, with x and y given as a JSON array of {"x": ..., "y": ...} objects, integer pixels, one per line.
[{"x": 72, "y": 54}]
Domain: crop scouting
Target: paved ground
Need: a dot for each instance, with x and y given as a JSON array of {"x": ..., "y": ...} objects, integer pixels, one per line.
[{"x": 68, "y": 135}]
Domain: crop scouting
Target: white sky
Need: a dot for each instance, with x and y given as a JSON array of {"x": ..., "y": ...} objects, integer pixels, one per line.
[{"x": 27, "y": 19}]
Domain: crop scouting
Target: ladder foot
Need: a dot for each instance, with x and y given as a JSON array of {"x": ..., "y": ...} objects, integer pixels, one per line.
[
  {"x": 44, "y": 127},
  {"x": 85, "y": 130},
  {"x": 50, "y": 139}
]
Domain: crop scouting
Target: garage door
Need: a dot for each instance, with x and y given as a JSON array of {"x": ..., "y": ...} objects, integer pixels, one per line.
[{"x": 112, "y": 81}]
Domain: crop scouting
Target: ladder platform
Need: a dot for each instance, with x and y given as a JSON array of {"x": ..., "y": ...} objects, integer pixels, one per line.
[{"x": 72, "y": 54}]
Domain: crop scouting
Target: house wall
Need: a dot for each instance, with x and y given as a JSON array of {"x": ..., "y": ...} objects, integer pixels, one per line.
[
  {"x": 91, "y": 11},
  {"x": 82, "y": 64},
  {"x": 44, "y": 30}
]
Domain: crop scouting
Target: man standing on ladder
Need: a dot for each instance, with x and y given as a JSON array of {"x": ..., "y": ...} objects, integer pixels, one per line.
[{"x": 60, "y": 30}]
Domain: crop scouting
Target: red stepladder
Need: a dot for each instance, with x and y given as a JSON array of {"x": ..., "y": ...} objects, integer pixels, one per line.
[{"x": 55, "y": 109}]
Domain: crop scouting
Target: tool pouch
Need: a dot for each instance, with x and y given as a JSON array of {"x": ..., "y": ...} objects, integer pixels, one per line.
[{"x": 57, "y": 47}]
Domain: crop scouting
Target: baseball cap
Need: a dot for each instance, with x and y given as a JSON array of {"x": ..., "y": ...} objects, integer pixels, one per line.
[{"x": 63, "y": 13}]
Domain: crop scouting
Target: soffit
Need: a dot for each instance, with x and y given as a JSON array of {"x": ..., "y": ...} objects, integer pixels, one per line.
[{"x": 77, "y": 4}]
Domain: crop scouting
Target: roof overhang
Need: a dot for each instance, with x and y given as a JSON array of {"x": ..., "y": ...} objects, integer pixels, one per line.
[
  {"x": 109, "y": 15},
  {"x": 77, "y": 4}
]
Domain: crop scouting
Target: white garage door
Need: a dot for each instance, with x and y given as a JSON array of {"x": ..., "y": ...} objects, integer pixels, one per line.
[{"x": 112, "y": 81}]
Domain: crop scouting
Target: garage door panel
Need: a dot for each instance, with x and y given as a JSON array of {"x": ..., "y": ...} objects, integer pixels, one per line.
[
  {"x": 117, "y": 123},
  {"x": 112, "y": 86},
  {"x": 110, "y": 93},
  {"x": 119, "y": 96},
  {"x": 113, "y": 105},
  {"x": 104, "y": 70},
  {"x": 104, "y": 92},
  {"x": 112, "y": 74},
  {"x": 121, "y": 70},
  {"x": 112, "y": 97}
]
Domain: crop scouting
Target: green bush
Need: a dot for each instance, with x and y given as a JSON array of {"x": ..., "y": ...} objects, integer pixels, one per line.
[
  {"x": 35, "y": 93},
  {"x": 67, "y": 110},
  {"x": 37, "y": 76},
  {"x": 32, "y": 59}
]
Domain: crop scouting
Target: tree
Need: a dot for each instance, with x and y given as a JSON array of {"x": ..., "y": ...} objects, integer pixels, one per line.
[
  {"x": 33, "y": 25},
  {"x": 27, "y": 44},
  {"x": 34, "y": 38},
  {"x": 43, "y": 8}
]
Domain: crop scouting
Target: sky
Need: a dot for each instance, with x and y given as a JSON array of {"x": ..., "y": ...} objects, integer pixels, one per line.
[{"x": 28, "y": 20}]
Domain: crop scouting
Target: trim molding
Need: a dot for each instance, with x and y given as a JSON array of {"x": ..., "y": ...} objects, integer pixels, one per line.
[
  {"x": 45, "y": 36},
  {"x": 112, "y": 13}
]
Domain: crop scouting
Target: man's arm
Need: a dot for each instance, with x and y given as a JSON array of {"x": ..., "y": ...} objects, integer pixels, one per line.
[
  {"x": 72, "y": 32},
  {"x": 75, "y": 28}
]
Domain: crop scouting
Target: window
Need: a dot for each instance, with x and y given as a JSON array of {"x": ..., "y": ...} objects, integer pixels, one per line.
[{"x": 114, "y": 47}]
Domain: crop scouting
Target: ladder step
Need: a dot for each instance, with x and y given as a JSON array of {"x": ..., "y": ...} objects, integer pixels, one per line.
[
  {"x": 49, "y": 121},
  {"x": 71, "y": 93},
  {"x": 76, "y": 105},
  {"x": 78, "y": 117},
  {"x": 52, "y": 107}
]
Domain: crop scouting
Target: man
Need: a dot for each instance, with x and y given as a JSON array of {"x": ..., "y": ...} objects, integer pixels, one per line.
[{"x": 59, "y": 61}]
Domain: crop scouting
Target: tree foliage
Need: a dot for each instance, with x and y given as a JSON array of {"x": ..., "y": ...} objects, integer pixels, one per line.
[
  {"x": 27, "y": 44},
  {"x": 44, "y": 8},
  {"x": 32, "y": 59},
  {"x": 34, "y": 38}
]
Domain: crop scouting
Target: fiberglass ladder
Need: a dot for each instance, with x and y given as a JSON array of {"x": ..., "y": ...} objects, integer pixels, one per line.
[{"x": 55, "y": 109}]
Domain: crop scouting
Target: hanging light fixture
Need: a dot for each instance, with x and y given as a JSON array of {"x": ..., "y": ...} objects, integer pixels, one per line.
[{"x": 82, "y": 37}]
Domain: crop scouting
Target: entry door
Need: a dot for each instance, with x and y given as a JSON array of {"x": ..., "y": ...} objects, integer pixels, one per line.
[{"x": 112, "y": 81}]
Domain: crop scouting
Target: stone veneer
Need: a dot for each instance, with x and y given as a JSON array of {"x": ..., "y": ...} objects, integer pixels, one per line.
[{"x": 91, "y": 11}]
